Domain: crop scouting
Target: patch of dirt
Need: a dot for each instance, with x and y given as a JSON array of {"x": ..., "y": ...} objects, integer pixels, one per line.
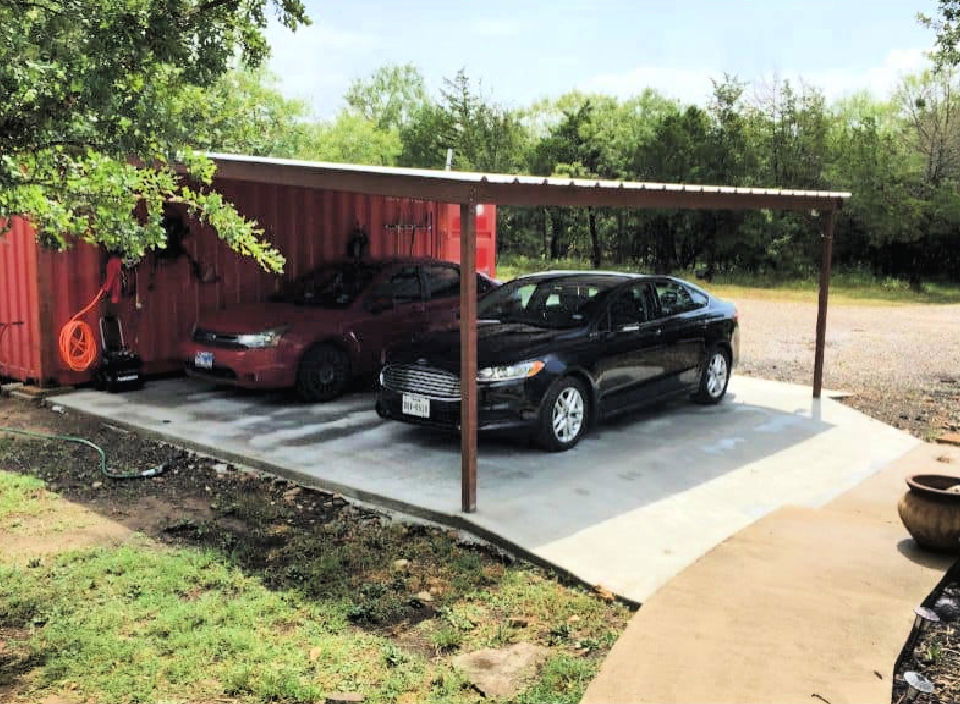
[
  {"x": 290, "y": 536},
  {"x": 81, "y": 529},
  {"x": 901, "y": 362},
  {"x": 934, "y": 651},
  {"x": 15, "y": 660}
]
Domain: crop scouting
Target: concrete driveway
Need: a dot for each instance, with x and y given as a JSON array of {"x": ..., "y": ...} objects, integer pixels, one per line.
[{"x": 637, "y": 501}]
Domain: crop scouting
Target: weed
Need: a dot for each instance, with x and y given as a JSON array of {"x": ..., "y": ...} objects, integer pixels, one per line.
[
  {"x": 561, "y": 681},
  {"x": 559, "y": 634},
  {"x": 446, "y": 638},
  {"x": 394, "y": 656},
  {"x": 21, "y": 496}
]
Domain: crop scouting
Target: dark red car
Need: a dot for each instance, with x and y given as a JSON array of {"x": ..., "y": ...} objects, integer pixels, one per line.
[{"x": 326, "y": 327}]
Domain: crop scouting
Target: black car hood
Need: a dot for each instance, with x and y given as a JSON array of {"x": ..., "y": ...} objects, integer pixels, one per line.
[{"x": 497, "y": 343}]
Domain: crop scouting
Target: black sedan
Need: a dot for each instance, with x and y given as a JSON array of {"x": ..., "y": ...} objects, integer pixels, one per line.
[{"x": 558, "y": 351}]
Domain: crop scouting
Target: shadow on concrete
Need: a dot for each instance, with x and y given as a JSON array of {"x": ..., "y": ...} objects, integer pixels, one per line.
[
  {"x": 529, "y": 496},
  {"x": 934, "y": 560}
]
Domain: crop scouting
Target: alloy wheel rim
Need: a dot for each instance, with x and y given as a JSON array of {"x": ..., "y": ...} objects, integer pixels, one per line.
[
  {"x": 568, "y": 412},
  {"x": 716, "y": 375}
]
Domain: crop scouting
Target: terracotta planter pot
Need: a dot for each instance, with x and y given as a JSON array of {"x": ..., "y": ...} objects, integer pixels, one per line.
[{"x": 931, "y": 513}]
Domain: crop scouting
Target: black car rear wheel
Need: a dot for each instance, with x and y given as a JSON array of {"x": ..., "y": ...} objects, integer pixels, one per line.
[
  {"x": 564, "y": 415},
  {"x": 714, "y": 376},
  {"x": 323, "y": 373}
]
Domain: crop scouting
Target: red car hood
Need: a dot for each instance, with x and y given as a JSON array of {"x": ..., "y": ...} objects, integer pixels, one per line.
[{"x": 256, "y": 317}]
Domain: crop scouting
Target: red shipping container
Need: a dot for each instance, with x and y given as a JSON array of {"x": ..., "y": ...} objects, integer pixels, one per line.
[{"x": 162, "y": 297}]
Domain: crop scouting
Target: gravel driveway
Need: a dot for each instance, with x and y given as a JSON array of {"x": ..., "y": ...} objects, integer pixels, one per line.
[{"x": 902, "y": 362}]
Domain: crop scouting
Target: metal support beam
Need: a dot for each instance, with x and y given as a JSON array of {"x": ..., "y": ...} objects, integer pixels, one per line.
[
  {"x": 826, "y": 260},
  {"x": 468, "y": 355}
]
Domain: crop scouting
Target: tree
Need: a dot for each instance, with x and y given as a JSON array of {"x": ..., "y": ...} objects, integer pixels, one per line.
[
  {"x": 89, "y": 130},
  {"x": 946, "y": 24},
  {"x": 483, "y": 136},
  {"x": 389, "y": 97},
  {"x": 244, "y": 112},
  {"x": 354, "y": 139}
]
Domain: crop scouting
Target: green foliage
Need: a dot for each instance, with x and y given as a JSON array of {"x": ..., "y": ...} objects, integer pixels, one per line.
[
  {"x": 389, "y": 97},
  {"x": 19, "y": 496},
  {"x": 245, "y": 113},
  {"x": 267, "y": 615},
  {"x": 562, "y": 681},
  {"x": 354, "y": 139},
  {"x": 483, "y": 136},
  {"x": 91, "y": 121},
  {"x": 946, "y": 24}
]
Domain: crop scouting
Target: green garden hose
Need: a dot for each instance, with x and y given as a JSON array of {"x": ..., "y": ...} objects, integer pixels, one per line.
[{"x": 152, "y": 472}]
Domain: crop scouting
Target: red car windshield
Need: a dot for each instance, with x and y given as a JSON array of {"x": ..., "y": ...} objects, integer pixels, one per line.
[{"x": 334, "y": 286}]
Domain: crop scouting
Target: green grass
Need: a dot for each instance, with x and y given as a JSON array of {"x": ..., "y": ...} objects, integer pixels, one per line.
[
  {"x": 20, "y": 496},
  {"x": 315, "y": 614},
  {"x": 845, "y": 287}
]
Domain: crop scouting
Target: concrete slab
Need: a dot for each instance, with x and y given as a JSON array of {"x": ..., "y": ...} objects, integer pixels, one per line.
[
  {"x": 636, "y": 502},
  {"x": 805, "y": 604}
]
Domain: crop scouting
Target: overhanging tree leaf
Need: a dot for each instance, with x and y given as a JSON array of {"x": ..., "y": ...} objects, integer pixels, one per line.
[{"x": 91, "y": 121}]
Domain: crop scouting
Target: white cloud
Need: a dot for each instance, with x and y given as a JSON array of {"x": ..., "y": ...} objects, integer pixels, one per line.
[
  {"x": 880, "y": 80},
  {"x": 692, "y": 85}
]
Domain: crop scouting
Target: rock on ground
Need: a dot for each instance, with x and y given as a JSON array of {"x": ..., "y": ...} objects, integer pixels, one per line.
[{"x": 500, "y": 672}]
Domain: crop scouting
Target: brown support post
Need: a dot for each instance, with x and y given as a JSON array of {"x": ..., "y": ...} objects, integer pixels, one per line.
[
  {"x": 468, "y": 355},
  {"x": 826, "y": 259}
]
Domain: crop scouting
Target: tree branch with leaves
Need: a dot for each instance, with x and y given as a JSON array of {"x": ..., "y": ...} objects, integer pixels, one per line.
[{"x": 91, "y": 139}]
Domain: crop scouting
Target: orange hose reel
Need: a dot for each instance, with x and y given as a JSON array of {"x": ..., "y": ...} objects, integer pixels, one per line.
[{"x": 77, "y": 343}]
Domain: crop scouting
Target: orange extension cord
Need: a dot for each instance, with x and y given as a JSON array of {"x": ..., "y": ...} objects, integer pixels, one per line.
[{"x": 78, "y": 345}]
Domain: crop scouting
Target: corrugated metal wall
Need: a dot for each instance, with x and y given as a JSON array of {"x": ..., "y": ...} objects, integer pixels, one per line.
[
  {"x": 163, "y": 297},
  {"x": 19, "y": 345}
]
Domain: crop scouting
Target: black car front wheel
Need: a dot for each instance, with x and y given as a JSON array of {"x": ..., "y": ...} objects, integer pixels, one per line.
[
  {"x": 323, "y": 373},
  {"x": 714, "y": 376},
  {"x": 564, "y": 415}
]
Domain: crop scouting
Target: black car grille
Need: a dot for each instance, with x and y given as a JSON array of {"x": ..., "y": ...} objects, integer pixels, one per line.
[
  {"x": 424, "y": 380},
  {"x": 217, "y": 339}
]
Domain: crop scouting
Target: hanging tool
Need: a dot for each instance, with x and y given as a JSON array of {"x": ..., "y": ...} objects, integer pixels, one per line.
[{"x": 5, "y": 326}]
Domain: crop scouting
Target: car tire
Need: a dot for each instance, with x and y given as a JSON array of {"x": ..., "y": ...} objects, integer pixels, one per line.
[
  {"x": 323, "y": 373},
  {"x": 564, "y": 415},
  {"x": 714, "y": 376}
]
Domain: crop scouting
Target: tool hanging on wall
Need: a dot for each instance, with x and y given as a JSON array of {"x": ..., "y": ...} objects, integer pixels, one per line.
[
  {"x": 6, "y": 326},
  {"x": 406, "y": 225},
  {"x": 358, "y": 243},
  {"x": 3, "y": 329}
]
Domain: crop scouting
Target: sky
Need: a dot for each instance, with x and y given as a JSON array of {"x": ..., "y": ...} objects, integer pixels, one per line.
[{"x": 524, "y": 50}]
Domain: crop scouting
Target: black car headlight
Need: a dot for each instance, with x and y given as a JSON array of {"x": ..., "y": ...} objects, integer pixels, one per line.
[{"x": 511, "y": 372}]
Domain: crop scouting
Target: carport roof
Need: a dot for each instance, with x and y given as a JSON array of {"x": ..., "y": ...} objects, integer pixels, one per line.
[{"x": 510, "y": 189}]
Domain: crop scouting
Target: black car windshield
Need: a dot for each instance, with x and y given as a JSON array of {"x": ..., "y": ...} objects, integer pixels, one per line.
[
  {"x": 333, "y": 286},
  {"x": 555, "y": 302}
]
